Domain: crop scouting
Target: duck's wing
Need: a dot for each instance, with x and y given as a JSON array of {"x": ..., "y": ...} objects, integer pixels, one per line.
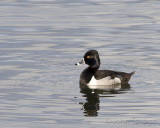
[{"x": 123, "y": 76}]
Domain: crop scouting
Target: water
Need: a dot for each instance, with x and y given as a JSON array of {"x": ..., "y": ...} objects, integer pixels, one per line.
[{"x": 41, "y": 40}]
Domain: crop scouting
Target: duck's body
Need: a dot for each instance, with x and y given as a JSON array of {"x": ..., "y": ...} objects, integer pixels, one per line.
[
  {"x": 104, "y": 77},
  {"x": 93, "y": 76}
]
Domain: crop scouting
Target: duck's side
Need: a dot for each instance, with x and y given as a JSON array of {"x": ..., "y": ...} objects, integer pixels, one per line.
[
  {"x": 114, "y": 75},
  {"x": 104, "y": 77}
]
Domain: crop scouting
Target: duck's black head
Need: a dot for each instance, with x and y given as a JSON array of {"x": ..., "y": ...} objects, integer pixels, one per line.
[{"x": 91, "y": 58}]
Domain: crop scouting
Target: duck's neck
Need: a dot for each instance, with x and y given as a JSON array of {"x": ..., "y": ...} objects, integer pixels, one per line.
[{"x": 93, "y": 69}]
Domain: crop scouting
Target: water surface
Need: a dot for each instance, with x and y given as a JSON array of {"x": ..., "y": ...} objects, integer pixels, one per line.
[{"x": 41, "y": 40}]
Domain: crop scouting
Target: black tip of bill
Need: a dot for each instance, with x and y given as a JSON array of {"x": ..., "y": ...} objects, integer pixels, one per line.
[{"x": 81, "y": 62}]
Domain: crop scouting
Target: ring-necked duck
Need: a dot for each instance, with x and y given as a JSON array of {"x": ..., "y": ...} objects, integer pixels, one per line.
[{"x": 93, "y": 76}]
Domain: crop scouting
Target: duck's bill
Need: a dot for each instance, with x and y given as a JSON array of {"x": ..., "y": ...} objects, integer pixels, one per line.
[{"x": 81, "y": 62}]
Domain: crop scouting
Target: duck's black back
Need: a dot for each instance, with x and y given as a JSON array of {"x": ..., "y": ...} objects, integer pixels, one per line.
[{"x": 124, "y": 77}]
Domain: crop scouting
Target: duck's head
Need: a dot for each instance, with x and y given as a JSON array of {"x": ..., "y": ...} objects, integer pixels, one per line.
[{"x": 91, "y": 58}]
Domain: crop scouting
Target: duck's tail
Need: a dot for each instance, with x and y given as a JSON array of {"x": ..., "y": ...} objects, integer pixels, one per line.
[
  {"x": 132, "y": 73},
  {"x": 127, "y": 77}
]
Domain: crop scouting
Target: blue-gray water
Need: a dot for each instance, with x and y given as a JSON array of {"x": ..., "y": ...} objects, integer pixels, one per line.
[{"x": 41, "y": 40}]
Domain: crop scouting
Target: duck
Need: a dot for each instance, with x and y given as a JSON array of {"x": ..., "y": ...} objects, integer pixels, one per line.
[{"x": 93, "y": 76}]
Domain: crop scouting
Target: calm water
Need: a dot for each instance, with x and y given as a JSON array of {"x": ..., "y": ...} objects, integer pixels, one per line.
[{"x": 41, "y": 40}]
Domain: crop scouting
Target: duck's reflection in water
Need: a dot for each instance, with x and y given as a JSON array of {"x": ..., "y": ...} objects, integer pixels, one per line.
[{"x": 93, "y": 94}]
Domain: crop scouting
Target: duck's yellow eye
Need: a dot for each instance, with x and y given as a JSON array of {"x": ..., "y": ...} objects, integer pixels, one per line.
[{"x": 88, "y": 57}]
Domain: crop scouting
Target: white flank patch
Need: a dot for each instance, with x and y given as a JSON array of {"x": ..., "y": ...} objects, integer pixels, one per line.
[{"x": 105, "y": 81}]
